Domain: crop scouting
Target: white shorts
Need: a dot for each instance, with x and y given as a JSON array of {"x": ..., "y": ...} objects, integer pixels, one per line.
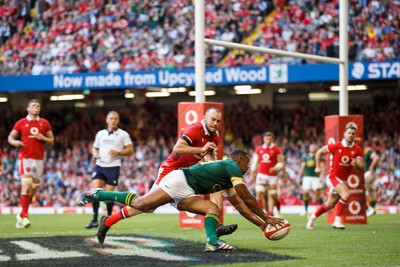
[
  {"x": 311, "y": 183},
  {"x": 31, "y": 168},
  {"x": 175, "y": 185},
  {"x": 370, "y": 178},
  {"x": 264, "y": 179}
]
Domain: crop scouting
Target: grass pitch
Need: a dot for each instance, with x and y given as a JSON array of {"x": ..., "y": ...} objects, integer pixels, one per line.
[{"x": 374, "y": 244}]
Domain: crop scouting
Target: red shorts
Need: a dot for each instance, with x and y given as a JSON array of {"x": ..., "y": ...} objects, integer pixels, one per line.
[{"x": 333, "y": 181}]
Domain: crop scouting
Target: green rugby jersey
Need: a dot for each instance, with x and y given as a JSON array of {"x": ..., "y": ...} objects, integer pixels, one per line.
[
  {"x": 212, "y": 176},
  {"x": 310, "y": 162},
  {"x": 367, "y": 158}
]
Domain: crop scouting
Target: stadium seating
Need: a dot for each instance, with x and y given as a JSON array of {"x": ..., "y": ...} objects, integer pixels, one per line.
[{"x": 89, "y": 36}]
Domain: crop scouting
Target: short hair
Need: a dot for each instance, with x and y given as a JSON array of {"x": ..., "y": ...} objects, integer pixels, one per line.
[
  {"x": 352, "y": 126},
  {"x": 237, "y": 152},
  {"x": 34, "y": 100},
  {"x": 112, "y": 112},
  {"x": 269, "y": 134},
  {"x": 212, "y": 109}
]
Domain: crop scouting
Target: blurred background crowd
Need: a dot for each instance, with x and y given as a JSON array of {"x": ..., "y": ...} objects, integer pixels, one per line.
[
  {"x": 71, "y": 36},
  {"x": 153, "y": 130}
]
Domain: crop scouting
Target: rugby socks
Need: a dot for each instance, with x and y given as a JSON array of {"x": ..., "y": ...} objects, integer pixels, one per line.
[
  {"x": 110, "y": 206},
  {"x": 120, "y": 197},
  {"x": 278, "y": 206},
  {"x": 340, "y": 207},
  {"x": 306, "y": 201},
  {"x": 321, "y": 210},
  {"x": 116, "y": 217},
  {"x": 320, "y": 200},
  {"x": 96, "y": 206},
  {"x": 211, "y": 223},
  {"x": 25, "y": 201}
]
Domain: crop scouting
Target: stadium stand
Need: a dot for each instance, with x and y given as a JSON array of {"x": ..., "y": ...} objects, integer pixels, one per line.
[
  {"x": 56, "y": 37},
  {"x": 78, "y": 36}
]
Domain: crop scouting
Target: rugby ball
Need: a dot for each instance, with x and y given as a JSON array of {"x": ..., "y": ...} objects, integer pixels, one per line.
[{"x": 276, "y": 233}]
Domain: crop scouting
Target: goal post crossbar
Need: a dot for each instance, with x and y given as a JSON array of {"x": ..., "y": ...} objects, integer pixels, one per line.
[{"x": 275, "y": 52}]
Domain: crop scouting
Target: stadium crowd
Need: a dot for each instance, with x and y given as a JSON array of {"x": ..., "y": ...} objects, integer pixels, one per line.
[
  {"x": 56, "y": 37},
  {"x": 79, "y": 36},
  {"x": 313, "y": 27},
  {"x": 69, "y": 162}
]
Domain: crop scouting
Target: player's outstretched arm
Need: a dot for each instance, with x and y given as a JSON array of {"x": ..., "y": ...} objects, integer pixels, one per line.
[
  {"x": 252, "y": 204},
  {"x": 239, "y": 205}
]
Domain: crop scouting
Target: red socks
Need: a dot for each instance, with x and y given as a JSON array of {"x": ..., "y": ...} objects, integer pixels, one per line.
[
  {"x": 25, "y": 201},
  {"x": 340, "y": 207},
  {"x": 116, "y": 217},
  {"x": 321, "y": 210}
]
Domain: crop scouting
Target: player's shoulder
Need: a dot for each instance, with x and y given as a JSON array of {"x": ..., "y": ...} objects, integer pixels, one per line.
[
  {"x": 196, "y": 126},
  {"x": 194, "y": 129},
  {"x": 102, "y": 132},
  {"x": 259, "y": 148},
  {"x": 43, "y": 120},
  {"x": 358, "y": 148},
  {"x": 22, "y": 120},
  {"x": 122, "y": 131}
]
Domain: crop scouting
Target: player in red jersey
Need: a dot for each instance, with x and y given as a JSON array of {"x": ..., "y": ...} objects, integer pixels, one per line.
[
  {"x": 269, "y": 159},
  {"x": 346, "y": 156},
  {"x": 198, "y": 142},
  {"x": 30, "y": 134}
]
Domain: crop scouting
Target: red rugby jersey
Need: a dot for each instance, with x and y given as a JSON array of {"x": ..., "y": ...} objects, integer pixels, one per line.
[
  {"x": 197, "y": 136},
  {"x": 342, "y": 155},
  {"x": 33, "y": 148}
]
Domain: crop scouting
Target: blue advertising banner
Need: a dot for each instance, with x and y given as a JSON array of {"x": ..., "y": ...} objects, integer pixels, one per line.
[{"x": 213, "y": 76}]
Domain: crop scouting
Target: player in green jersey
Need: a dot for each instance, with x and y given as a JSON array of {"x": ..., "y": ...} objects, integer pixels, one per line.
[
  {"x": 371, "y": 160},
  {"x": 181, "y": 188},
  {"x": 310, "y": 182}
]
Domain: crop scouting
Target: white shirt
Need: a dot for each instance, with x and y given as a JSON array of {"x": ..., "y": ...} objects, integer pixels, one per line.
[{"x": 105, "y": 141}]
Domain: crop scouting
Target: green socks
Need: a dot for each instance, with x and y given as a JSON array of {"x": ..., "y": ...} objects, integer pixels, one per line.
[
  {"x": 120, "y": 197},
  {"x": 211, "y": 223}
]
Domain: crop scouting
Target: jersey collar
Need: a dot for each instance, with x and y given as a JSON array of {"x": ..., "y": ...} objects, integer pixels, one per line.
[
  {"x": 110, "y": 133},
  {"x": 271, "y": 146},
  {"x": 344, "y": 143},
  {"x": 29, "y": 118},
  {"x": 204, "y": 127}
]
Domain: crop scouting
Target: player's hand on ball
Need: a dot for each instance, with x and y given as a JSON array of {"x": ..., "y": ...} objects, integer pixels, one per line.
[{"x": 274, "y": 221}]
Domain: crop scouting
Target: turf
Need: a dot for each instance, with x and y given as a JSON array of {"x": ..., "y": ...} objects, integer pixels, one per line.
[{"x": 374, "y": 244}]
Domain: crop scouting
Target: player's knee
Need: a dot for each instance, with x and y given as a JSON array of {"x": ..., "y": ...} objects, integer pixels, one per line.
[
  {"x": 27, "y": 185},
  {"x": 35, "y": 186},
  {"x": 273, "y": 192},
  {"x": 260, "y": 189},
  {"x": 27, "y": 181},
  {"x": 142, "y": 205},
  {"x": 345, "y": 196},
  {"x": 212, "y": 208}
]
